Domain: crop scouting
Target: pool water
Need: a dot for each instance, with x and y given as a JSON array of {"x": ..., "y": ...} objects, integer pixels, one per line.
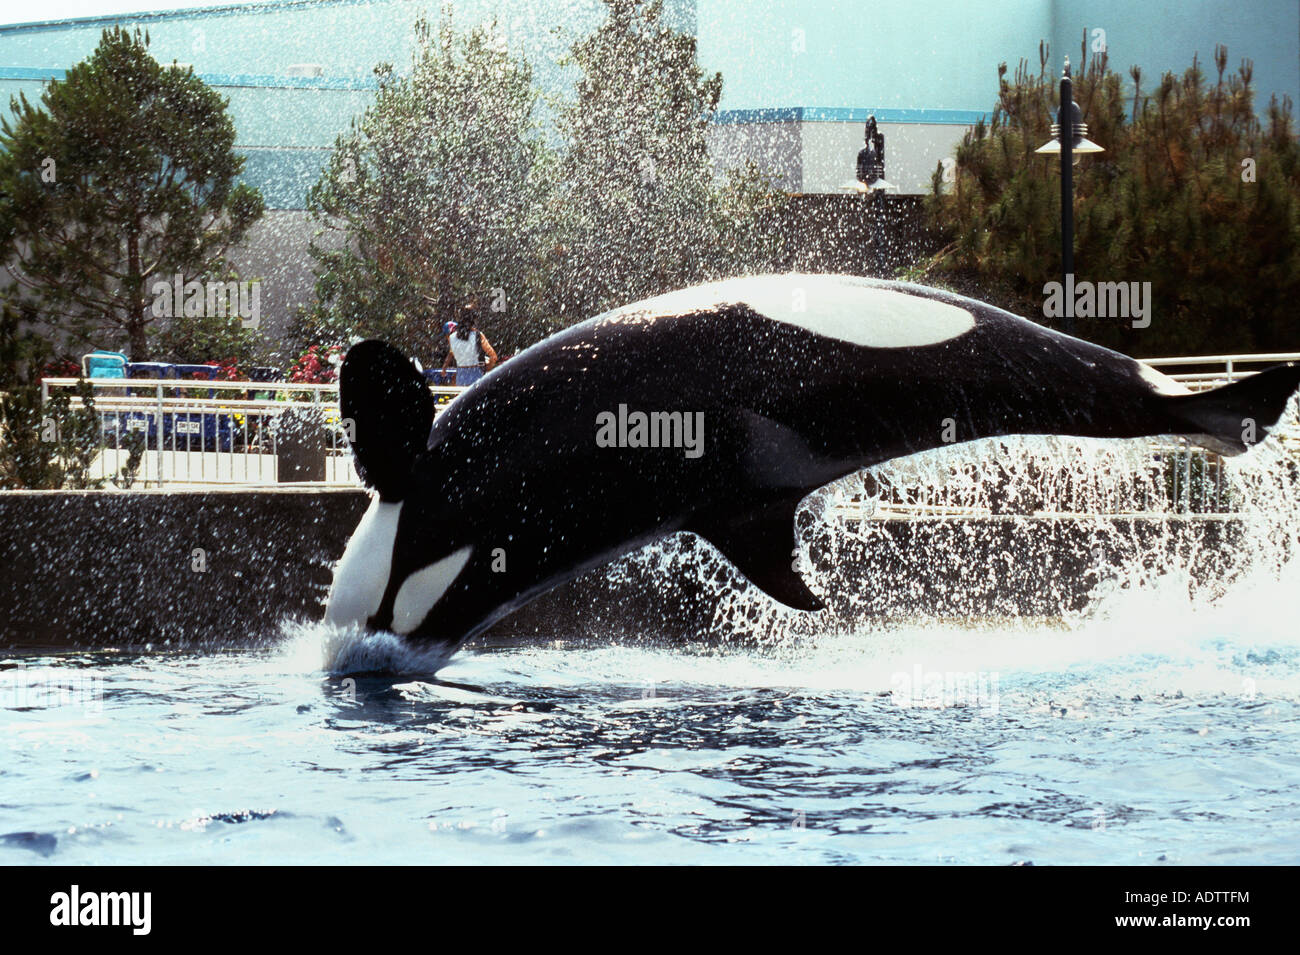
[
  {"x": 1160, "y": 726},
  {"x": 1155, "y": 730}
]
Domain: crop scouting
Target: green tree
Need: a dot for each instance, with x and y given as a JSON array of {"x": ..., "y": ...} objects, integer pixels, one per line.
[
  {"x": 48, "y": 445},
  {"x": 194, "y": 340},
  {"x": 434, "y": 194},
  {"x": 640, "y": 206},
  {"x": 125, "y": 174},
  {"x": 1193, "y": 194}
]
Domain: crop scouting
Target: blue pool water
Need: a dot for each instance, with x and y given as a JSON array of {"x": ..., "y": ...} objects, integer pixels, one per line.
[{"x": 1156, "y": 730}]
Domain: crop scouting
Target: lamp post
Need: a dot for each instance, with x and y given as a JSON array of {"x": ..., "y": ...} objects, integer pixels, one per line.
[{"x": 1070, "y": 139}]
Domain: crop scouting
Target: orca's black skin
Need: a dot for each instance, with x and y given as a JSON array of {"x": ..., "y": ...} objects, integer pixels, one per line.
[{"x": 514, "y": 463}]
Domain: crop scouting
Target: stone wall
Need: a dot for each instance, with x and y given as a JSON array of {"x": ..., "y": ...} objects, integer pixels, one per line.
[
  {"x": 98, "y": 568},
  {"x": 226, "y": 568}
]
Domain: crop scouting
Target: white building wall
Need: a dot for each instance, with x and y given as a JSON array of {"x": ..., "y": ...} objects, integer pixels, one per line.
[{"x": 912, "y": 151}]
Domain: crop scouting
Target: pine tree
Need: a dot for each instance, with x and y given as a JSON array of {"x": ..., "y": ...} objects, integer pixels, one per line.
[
  {"x": 1193, "y": 194},
  {"x": 125, "y": 172},
  {"x": 42, "y": 445}
]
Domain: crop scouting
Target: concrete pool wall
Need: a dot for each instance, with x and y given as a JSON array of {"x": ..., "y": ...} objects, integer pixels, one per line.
[{"x": 175, "y": 568}]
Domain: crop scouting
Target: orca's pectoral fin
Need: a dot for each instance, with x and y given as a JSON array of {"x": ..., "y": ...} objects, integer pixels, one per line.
[
  {"x": 761, "y": 545},
  {"x": 387, "y": 410}
]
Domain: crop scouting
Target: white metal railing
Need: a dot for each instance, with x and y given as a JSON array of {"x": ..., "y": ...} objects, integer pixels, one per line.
[
  {"x": 1177, "y": 477},
  {"x": 1232, "y": 367},
  {"x": 156, "y": 432}
]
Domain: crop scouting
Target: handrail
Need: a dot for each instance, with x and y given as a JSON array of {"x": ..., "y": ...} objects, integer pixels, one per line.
[
  {"x": 1230, "y": 371},
  {"x": 451, "y": 390},
  {"x": 1209, "y": 375},
  {"x": 1229, "y": 361},
  {"x": 198, "y": 383},
  {"x": 1223, "y": 359},
  {"x": 133, "y": 403}
]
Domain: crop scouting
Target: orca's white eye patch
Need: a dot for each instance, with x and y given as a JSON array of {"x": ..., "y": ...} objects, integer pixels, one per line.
[
  {"x": 833, "y": 306},
  {"x": 424, "y": 588}
]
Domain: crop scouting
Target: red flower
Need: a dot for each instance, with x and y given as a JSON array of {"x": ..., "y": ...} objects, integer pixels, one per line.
[{"x": 314, "y": 366}]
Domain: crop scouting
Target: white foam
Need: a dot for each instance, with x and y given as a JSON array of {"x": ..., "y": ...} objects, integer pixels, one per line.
[
  {"x": 382, "y": 652},
  {"x": 833, "y": 306},
  {"x": 340, "y": 650}
]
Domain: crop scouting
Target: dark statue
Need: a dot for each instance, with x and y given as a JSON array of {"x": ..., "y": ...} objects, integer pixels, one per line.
[{"x": 871, "y": 159}]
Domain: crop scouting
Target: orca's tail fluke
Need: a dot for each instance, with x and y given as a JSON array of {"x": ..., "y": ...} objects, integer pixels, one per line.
[{"x": 1233, "y": 417}]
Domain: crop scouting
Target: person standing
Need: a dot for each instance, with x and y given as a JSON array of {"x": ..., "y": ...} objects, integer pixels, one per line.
[{"x": 467, "y": 347}]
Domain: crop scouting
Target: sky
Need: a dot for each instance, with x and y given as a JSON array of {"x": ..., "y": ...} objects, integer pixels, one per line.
[{"x": 12, "y": 11}]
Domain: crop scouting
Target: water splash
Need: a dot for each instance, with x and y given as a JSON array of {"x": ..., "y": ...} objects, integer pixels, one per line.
[
  {"x": 340, "y": 651},
  {"x": 1021, "y": 532}
]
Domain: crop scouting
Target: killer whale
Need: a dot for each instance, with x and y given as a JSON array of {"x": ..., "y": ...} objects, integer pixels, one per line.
[{"x": 795, "y": 380}]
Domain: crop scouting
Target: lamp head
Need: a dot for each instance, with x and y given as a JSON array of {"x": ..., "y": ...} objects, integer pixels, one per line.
[{"x": 1079, "y": 142}]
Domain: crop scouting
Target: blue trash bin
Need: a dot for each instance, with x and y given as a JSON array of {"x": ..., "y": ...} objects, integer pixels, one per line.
[
  {"x": 147, "y": 421},
  {"x": 211, "y": 432}
]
